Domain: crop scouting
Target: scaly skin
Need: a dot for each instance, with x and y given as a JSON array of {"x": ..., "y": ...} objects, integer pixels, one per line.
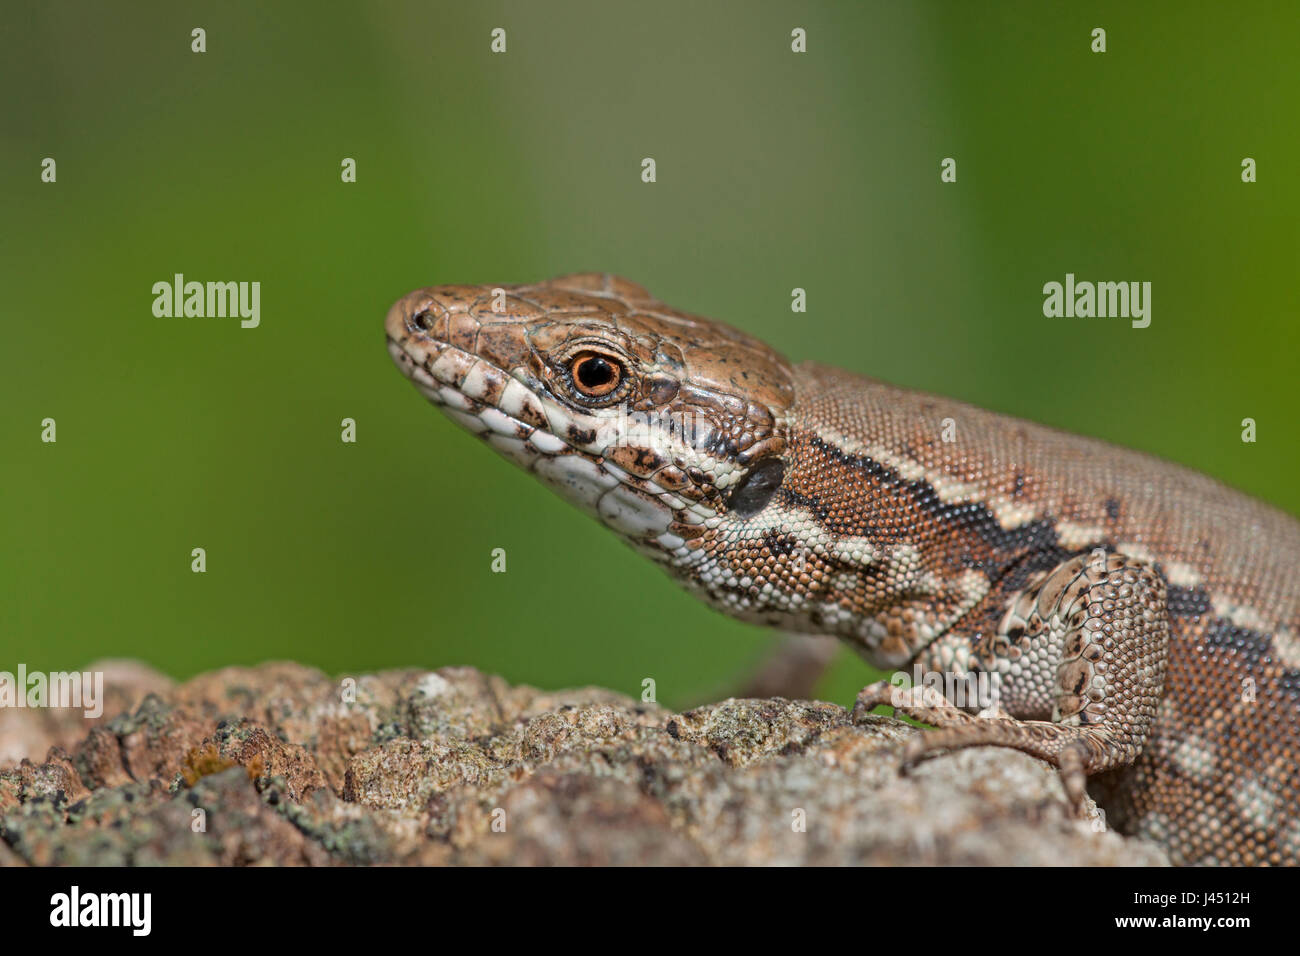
[{"x": 1133, "y": 622}]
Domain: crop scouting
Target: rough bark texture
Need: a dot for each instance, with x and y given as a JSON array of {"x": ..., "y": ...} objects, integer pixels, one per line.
[{"x": 278, "y": 764}]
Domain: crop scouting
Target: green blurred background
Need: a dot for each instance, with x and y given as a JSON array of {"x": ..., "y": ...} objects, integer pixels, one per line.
[{"x": 775, "y": 170}]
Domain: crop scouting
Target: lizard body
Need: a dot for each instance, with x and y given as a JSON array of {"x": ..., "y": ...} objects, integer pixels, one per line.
[{"x": 1136, "y": 621}]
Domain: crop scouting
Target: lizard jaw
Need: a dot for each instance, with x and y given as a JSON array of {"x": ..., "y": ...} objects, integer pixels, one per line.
[{"x": 525, "y": 427}]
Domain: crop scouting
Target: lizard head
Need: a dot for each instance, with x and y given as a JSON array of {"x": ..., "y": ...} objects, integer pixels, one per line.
[{"x": 664, "y": 426}]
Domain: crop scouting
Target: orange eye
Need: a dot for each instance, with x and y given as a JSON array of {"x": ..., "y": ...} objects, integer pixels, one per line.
[{"x": 596, "y": 375}]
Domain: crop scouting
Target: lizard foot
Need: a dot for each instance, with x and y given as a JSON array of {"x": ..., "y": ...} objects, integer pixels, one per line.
[{"x": 1069, "y": 754}]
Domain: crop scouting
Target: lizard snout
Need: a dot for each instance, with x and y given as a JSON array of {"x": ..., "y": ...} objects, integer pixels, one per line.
[{"x": 409, "y": 316}]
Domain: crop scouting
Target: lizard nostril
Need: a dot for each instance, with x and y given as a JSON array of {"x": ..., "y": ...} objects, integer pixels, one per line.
[{"x": 423, "y": 320}]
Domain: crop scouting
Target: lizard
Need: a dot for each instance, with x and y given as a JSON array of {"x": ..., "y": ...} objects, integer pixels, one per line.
[{"x": 1134, "y": 622}]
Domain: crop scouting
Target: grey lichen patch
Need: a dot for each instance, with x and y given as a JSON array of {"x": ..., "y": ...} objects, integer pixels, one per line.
[
  {"x": 275, "y": 765},
  {"x": 743, "y": 731},
  {"x": 114, "y": 805},
  {"x": 56, "y": 778},
  {"x": 348, "y": 833},
  {"x": 405, "y": 774}
]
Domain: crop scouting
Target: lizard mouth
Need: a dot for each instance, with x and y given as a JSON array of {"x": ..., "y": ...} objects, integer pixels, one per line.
[
  {"x": 469, "y": 392},
  {"x": 526, "y": 426},
  {"x": 472, "y": 391}
]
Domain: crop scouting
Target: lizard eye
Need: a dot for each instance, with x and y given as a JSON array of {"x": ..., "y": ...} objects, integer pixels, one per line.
[{"x": 595, "y": 375}]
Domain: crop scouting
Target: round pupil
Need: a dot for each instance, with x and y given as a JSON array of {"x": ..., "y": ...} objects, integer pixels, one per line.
[{"x": 595, "y": 372}]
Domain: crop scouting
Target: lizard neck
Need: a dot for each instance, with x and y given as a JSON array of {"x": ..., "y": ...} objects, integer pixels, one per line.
[{"x": 861, "y": 541}]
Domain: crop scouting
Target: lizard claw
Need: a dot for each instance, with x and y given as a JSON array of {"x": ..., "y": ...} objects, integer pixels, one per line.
[
  {"x": 919, "y": 748},
  {"x": 871, "y": 697},
  {"x": 1074, "y": 779}
]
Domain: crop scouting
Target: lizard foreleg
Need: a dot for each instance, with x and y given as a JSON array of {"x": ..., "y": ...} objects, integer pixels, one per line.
[{"x": 1079, "y": 665}]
